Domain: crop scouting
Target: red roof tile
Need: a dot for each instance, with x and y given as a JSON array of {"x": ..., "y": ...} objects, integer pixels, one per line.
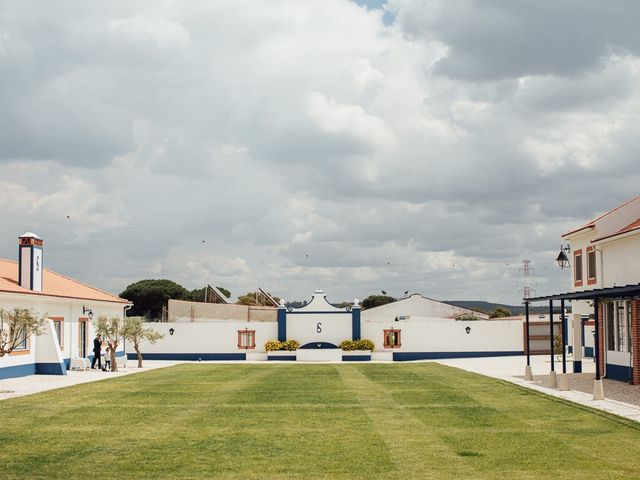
[
  {"x": 53, "y": 285},
  {"x": 592, "y": 223},
  {"x": 629, "y": 228}
]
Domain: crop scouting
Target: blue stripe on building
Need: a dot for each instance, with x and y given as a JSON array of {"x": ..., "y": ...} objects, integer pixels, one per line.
[
  {"x": 282, "y": 324},
  {"x": 619, "y": 372},
  {"x": 18, "y": 371},
  {"x": 189, "y": 356},
  {"x": 407, "y": 356},
  {"x": 356, "y": 358},
  {"x": 284, "y": 358},
  {"x": 355, "y": 324},
  {"x": 51, "y": 368}
]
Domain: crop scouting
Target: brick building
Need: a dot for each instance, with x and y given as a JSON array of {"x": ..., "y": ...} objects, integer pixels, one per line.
[{"x": 605, "y": 278}]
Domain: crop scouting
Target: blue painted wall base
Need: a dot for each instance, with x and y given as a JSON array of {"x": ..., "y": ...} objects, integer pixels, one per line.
[
  {"x": 18, "y": 371},
  {"x": 195, "y": 357},
  {"x": 283, "y": 358},
  {"x": 619, "y": 372},
  {"x": 50, "y": 369},
  {"x": 408, "y": 356},
  {"x": 577, "y": 366},
  {"x": 356, "y": 358}
]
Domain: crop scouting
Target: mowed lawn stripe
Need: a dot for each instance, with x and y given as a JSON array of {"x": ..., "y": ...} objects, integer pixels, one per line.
[
  {"x": 506, "y": 430},
  {"x": 410, "y": 420},
  {"x": 413, "y": 447}
]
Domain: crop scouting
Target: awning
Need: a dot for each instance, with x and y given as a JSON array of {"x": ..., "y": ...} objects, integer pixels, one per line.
[{"x": 609, "y": 292}]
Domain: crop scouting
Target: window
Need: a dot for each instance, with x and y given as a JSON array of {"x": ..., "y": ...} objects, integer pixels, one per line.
[
  {"x": 22, "y": 343},
  {"x": 577, "y": 268},
  {"x": 247, "y": 339},
  {"x": 58, "y": 325},
  {"x": 618, "y": 321},
  {"x": 591, "y": 266},
  {"x": 392, "y": 338}
]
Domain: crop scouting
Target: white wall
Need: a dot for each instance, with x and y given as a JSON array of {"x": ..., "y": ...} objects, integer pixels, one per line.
[
  {"x": 425, "y": 335},
  {"x": 621, "y": 261},
  {"x": 440, "y": 335},
  {"x": 304, "y": 327},
  {"x": 214, "y": 336},
  {"x": 70, "y": 310}
]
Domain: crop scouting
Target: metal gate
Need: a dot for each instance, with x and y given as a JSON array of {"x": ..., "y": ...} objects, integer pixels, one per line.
[{"x": 539, "y": 336}]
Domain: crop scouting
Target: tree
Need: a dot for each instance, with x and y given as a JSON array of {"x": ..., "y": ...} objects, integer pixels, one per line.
[
  {"x": 376, "y": 300},
  {"x": 112, "y": 331},
  {"x": 500, "y": 312},
  {"x": 135, "y": 332},
  {"x": 197, "y": 295},
  {"x": 150, "y": 296},
  {"x": 255, "y": 299},
  {"x": 16, "y": 327}
]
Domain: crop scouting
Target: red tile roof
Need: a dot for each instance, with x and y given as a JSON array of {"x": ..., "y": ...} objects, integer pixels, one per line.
[
  {"x": 53, "y": 285},
  {"x": 629, "y": 228},
  {"x": 592, "y": 223}
]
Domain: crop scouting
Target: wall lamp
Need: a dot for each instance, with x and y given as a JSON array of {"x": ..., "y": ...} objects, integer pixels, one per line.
[
  {"x": 171, "y": 331},
  {"x": 468, "y": 330},
  {"x": 87, "y": 311},
  {"x": 563, "y": 259}
]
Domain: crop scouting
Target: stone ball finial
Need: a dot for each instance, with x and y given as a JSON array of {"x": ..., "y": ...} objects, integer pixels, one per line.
[{"x": 356, "y": 302}]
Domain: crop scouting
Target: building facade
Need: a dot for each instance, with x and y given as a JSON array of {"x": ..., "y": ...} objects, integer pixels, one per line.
[
  {"x": 69, "y": 307},
  {"x": 604, "y": 257}
]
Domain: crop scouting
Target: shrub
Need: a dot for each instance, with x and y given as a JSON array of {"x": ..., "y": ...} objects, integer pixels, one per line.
[
  {"x": 348, "y": 345},
  {"x": 272, "y": 345},
  {"x": 290, "y": 345},
  {"x": 365, "y": 344}
]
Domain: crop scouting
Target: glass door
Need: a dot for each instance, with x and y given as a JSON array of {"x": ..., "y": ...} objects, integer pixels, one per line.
[{"x": 82, "y": 338}]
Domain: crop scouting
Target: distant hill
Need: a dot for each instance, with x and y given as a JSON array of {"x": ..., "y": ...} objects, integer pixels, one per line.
[{"x": 488, "y": 307}]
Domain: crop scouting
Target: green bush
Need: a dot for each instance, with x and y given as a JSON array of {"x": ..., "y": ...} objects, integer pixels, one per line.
[
  {"x": 273, "y": 345},
  {"x": 351, "y": 345},
  {"x": 365, "y": 344},
  {"x": 348, "y": 345},
  {"x": 290, "y": 345}
]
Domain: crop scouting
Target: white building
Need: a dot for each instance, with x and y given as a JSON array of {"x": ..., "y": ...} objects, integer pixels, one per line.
[
  {"x": 68, "y": 306},
  {"x": 605, "y": 260},
  {"x": 417, "y": 306}
]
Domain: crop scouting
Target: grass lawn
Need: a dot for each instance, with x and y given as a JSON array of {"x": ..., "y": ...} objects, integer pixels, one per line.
[{"x": 401, "y": 421}]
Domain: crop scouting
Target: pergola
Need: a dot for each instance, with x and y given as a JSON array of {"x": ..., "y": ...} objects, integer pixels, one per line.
[{"x": 595, "y": 295}]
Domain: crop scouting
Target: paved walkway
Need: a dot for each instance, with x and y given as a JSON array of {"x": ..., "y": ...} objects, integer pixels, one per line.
[
  {"x": 18, "y": 387},
  {"x": 511, "y": 369}
]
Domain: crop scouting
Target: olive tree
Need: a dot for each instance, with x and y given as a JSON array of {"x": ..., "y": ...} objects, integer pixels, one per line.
[
  {"x": 135, "y": 332},
  {"x": 16, "y": 326},
  {"x": 112, "y": 331}
]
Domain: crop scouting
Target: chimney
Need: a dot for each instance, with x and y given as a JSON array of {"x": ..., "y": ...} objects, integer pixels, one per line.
[{"x": 30, "y": 261}]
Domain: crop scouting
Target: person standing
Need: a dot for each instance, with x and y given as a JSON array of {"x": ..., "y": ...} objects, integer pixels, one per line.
[{"x": 97, "y": 352}]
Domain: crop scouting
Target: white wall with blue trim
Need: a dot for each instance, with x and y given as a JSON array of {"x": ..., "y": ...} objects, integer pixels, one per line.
[{"x": 39, "y": 358}]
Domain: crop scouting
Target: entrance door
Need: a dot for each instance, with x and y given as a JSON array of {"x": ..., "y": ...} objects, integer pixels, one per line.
[{"x": 82, "y": 338}]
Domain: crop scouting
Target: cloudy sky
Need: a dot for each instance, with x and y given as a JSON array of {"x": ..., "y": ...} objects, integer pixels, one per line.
[{"x": 417, "y": 145}]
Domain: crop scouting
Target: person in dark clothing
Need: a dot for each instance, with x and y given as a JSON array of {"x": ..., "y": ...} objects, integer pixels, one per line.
[{"x": 97, "y": 349}]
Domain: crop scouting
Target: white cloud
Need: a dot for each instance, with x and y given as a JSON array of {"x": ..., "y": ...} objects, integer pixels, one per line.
[{"x": 309, "y": 145}]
